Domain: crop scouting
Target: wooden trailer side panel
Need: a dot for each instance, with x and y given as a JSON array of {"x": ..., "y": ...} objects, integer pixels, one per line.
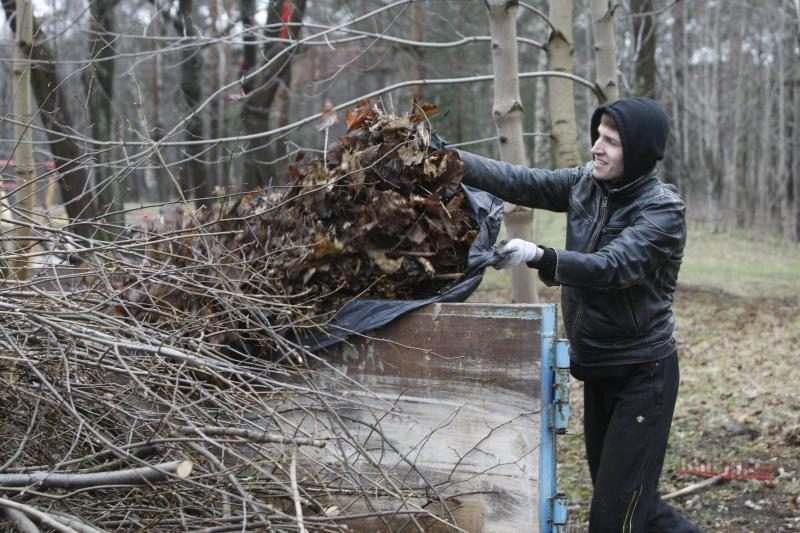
[{"x": 439, "y": 412}]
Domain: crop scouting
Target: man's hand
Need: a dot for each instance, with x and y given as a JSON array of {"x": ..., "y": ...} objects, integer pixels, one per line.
[{"x": 516, "y": 252}]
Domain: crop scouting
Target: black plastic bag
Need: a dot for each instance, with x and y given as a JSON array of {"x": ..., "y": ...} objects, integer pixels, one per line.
[{"x": 360, "y": 316}]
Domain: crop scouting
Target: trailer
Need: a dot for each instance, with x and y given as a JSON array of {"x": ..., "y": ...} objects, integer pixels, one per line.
[{"x": 454, "y": 408}]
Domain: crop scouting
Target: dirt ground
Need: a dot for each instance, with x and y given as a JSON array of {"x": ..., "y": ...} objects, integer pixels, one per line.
[{"x": 739, "y": 403}]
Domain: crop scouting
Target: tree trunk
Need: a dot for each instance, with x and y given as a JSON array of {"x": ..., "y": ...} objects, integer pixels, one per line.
[
  {"x": 644, "y": 32},
  {"x": 605, "y": 48},
  {"x": 76, "y": 193},
  {"x": 262, "y": 90},
  {"x": 101, "y": 89},
  {"x": 763, "y": 214},
  {"x": 795, "y": 135},
  {"x": 416, "y": 72},
  {"x": 216, "y": 64},
  {"x": 560, "y": 91},
  {"x": 194, "y": 174},
  {"x": 733, "y": 163},
  {"x": 508, "y": 113},
  {"x": 714, "y": 137},
  {"x": 795, "y": 156},
  {"x": 23, "y": 152},
  {"x": 783, "y": 178}
]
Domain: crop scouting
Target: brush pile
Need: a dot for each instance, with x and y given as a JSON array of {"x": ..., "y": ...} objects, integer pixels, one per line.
[
  {"x": 379, "y": 218},
  {"x": 156, "y": 386}
]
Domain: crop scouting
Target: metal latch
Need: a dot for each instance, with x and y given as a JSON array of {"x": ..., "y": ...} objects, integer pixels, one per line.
[
  {"x": 561, "y": 409},
  {"x": 559, "y": 512}
]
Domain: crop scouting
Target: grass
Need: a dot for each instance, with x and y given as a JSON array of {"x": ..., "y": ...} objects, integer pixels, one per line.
[{"x": 738, "y": 330}]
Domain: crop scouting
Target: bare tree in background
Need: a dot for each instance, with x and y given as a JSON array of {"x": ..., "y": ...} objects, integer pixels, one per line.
[
  {"x": 644, "y": 32},
  {"x": 25, "y": 170},
  {"x": 261, "y": 90},
  {"x": 507, "y": 112},
  {"x": 195, "y": 175},
  {"x": 794, "y": 95},
  {"x": 605, "y": 47},
  {"x": 54, "y": 112},
  {"x": 561, "y": 91},
  {"x": 100, "y": 103}
]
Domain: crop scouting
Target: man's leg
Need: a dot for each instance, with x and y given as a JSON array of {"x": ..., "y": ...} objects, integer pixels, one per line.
[
  {"x": 632, "y": 453},
  {"x": 663, "y": 517}
]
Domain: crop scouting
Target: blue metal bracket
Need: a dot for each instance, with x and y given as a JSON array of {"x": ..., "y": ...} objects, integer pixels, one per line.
[
  {"x": 561, "y": 410},
  {"x": 560, "y": 513},
  {"x": 555, "y": 419}
]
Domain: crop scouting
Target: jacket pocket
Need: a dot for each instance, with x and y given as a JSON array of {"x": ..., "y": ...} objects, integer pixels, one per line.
[
  {"x": 609, "y": 316},
  {"x": 576, "y": 206},
  {"x": 609, "y": 233},
  {"x": 635, "y": 321}
]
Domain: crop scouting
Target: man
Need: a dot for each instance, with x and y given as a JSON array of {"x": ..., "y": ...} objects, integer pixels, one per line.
[{"x": 625, "y": 238}]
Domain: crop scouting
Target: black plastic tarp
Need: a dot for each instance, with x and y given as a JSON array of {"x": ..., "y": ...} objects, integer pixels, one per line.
[{"x": 360, "y": 316}]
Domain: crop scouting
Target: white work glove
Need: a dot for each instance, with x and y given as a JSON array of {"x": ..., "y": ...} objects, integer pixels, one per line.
[{"x": 517, "y": 252}]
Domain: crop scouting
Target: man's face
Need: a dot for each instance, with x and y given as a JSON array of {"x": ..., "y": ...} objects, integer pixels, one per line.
[{"x": 607, "y": 154}]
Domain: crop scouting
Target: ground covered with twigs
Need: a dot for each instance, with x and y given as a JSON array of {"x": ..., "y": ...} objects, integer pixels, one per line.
[{"x": 155, "y": 383}]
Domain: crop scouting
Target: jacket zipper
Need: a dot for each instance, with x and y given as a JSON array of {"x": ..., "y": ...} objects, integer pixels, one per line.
[{"x": 601, "y": 222}]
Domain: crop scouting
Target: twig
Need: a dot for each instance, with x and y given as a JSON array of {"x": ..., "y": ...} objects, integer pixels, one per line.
[
  {"x": 298, "y": 509},
  {"x": 694, "y": 487},
  {"x": 257, "y": 436}
]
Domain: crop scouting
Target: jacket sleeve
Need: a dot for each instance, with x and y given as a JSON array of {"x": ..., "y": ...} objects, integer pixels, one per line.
[
  {"x": 657, "y": 235},
  {"x": 518, "y": 184}
]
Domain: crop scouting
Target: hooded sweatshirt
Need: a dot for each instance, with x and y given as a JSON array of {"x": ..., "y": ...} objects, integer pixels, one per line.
[{"x": 643, "y": 129}]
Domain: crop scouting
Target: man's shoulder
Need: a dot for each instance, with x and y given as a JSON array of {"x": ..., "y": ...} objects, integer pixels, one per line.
[{"x": 661, "y": 192}]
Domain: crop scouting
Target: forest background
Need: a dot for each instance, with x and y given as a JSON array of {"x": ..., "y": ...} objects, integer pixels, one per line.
[{"x": 155, "y": 101}]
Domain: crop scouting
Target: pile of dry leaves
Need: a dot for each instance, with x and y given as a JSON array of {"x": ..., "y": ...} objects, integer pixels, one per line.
[{"x": 379, "y": 216}]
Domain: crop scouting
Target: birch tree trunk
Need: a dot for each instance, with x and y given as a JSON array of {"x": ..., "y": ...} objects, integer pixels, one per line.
[
  {"x": 26, "y": 173},
  {"x": 605, "y": 48},
  {"x": 560, "y": 91},
  {"x": 733, "y": 163},
  {"x": 508, "y": 113}
]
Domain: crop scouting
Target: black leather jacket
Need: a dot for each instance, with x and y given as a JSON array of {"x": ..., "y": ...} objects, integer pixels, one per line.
[{"x": 619, "y": 268}]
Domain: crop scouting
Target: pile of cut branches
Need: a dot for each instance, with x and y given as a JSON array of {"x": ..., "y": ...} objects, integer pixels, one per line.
[
  {"x": 130, "y": 395},
  {"x": 379, "y": 216}
]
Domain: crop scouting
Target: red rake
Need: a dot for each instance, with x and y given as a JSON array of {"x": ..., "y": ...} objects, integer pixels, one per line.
[{"x": 725, "y": 470}]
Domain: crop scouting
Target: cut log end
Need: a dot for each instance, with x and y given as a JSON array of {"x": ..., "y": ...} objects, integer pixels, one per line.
[{"x": 184, "y": 469}]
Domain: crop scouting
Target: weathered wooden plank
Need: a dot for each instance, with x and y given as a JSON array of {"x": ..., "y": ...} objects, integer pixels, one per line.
[{"x": 443, "y": 407}]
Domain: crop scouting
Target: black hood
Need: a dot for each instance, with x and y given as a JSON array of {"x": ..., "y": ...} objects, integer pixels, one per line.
[{"x": 643, "y": 129}]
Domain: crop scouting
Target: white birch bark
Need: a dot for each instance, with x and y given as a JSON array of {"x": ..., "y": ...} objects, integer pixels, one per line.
[
  {"x": 23, "y": 152},
  {"x": 560, "y": 91},
  {"x": 508, "y": 113},
  {"x": 605, "y": 48}
]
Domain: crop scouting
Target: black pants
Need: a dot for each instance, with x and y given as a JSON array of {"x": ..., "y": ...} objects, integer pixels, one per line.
[{"x": 626, "y": 422}]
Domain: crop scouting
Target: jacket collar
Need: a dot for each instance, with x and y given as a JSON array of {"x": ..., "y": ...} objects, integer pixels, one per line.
[{"x": 626, "y": 189}]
